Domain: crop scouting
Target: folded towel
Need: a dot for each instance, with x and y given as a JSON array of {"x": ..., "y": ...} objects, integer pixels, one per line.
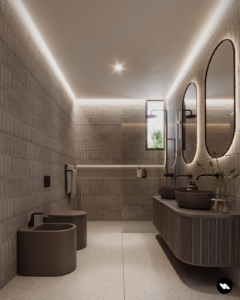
[
  {"x": 69, "y": 181},
  {"x": 74, "y": 183}
]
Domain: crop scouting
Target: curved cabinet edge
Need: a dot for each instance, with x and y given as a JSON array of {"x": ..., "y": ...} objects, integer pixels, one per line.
[{"x": 208, "y": 242}]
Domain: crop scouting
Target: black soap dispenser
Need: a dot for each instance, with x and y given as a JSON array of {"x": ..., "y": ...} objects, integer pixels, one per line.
[{"x": 144, "y": 173}]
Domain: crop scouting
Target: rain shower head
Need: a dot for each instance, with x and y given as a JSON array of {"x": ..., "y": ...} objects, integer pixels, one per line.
[
  {"x": 190, "y": 116},
  {"x": 151, "y": 116}
]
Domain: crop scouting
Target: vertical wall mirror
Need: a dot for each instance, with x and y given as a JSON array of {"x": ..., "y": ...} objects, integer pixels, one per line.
[
  {"x": 220, "y": 99},
  {"x": 189, "y": 123}
]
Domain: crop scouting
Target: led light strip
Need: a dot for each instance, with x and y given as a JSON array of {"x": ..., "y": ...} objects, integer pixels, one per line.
[
  {"x": 204, "y": 37},
  {"x": 20, "y": 9}
]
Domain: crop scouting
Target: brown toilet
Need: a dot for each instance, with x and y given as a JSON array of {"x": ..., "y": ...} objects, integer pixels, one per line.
[{"x": 76, "y": 217}]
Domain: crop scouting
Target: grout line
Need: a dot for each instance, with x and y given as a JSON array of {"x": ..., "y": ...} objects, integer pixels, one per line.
[{"x": 123, "y": 269}]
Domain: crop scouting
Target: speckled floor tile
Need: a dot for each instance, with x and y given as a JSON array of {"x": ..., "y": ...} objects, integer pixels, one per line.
[
  {"x": 123, "y": 261},
  {"x": 99, "y": 275},
  {"x": 152, "y": 272},
  {"x": 122, "y": 226}
]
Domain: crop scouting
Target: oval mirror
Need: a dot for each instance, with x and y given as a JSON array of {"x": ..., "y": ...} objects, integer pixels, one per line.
[
  {"x": 220, "y": 99},
  {"x": 189, "y": 123}
]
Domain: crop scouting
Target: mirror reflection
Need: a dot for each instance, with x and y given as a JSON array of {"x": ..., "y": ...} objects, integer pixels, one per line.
[
  {"x": 189, "y": 123},
  {"x": 220, "y": 99},
  {"x": 171, "y": 143}
]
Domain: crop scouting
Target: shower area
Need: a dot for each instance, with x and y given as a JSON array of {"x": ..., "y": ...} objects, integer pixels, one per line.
[{"x": 110, "y": 147}]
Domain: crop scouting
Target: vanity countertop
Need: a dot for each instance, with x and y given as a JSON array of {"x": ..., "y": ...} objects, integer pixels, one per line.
[{"x": 194, "y": 213}]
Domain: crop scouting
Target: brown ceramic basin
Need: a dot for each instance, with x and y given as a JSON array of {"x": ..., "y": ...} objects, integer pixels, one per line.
[
  {"x": 194, "y": 199},
  {"x": 168, "y": 192}
]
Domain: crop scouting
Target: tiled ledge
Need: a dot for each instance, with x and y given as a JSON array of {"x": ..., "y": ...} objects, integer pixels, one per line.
[
  {"x": 120, "y": 166},
  {"x": 118, "y": 171}
]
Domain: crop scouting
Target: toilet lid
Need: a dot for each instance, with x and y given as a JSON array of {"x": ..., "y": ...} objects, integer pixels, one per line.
[{"x": 68, "y": 213}]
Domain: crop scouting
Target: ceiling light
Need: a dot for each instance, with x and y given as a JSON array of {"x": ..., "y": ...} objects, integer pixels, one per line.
[{"x": 118, "y": 67}]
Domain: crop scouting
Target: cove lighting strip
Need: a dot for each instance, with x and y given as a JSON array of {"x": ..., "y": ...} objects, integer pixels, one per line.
[
  {"x": 17, "y": 4},
  {"x": 119, "y": 166},
  {"x": 204, "y": 37}
]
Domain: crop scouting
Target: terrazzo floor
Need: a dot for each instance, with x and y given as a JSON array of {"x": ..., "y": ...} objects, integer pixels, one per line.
[{"x": 123, "y": 261}]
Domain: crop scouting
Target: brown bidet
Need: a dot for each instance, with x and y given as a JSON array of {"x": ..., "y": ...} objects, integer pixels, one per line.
[{"x": 46, "y": 249}]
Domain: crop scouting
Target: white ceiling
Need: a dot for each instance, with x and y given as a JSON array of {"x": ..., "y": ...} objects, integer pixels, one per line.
[{"x": 153, "y": 38}]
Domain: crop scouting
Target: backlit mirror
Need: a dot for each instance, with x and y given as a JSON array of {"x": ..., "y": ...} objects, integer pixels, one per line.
[
  {"x": 189, "y": 123},
  {"x": 220, "y": 99}
]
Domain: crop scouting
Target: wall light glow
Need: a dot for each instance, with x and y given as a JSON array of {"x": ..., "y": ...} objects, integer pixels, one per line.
[
  {"x": 20, "y": 9},
  {"x": 221, "y": 102},
  {"x": 110, "y": 102},
  {"x": 204, "y": 37}
]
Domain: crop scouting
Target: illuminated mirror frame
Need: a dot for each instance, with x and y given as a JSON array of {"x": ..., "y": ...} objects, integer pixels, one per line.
[
  {"x": 183, "y": 124},
  {"x": 234, "y": 93}
]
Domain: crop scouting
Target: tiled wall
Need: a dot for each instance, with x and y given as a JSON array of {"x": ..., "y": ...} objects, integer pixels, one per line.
[
  {"x": 36, "y": 135},
  {"x": 114, "y": 193},
  {"x": 227, "y": 28},
  {"x": 112, "y": 132}
]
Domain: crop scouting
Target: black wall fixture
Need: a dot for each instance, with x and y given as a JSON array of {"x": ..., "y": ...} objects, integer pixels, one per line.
[{"x": 47, "y": 181}]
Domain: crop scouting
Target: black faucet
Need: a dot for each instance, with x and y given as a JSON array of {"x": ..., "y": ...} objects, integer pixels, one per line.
[
  {"x": 189, "y": 176},
  {"x": 210, "y": 175},
  {"x": 31, "y": 222}
]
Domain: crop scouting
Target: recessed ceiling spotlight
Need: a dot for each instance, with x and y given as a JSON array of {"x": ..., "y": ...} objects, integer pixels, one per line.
[{"x": 118, "y": 67}]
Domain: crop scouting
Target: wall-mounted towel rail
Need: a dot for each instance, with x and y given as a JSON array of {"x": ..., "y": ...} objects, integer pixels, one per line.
[
  {"x": 69, "y": 168},
  {"x": 71, "y": 177}
]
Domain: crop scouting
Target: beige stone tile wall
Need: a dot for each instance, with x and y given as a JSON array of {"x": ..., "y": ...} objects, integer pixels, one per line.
[
  {"x": 36, "y": 135},
  {"x": 227, "y": 28},
  {"x": 112, "y": 132},
  {"x": 114, "y": 193}
]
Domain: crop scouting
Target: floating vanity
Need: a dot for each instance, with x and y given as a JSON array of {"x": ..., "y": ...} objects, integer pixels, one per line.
[{"x": 198, "y": 237}]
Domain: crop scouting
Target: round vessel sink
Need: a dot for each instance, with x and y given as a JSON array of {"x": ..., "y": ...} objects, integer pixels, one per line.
[
  {"x": 168, "y": 192},
  {"x": 194, "y": 199}
]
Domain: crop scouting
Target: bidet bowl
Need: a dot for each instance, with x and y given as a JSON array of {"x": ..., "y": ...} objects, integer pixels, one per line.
[{"x": 54, "y": 227}]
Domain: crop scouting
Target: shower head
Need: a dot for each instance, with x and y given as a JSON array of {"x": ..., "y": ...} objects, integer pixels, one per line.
[
  {"x": 190, "y": 116},
  {"x": 151, "y": 116}
]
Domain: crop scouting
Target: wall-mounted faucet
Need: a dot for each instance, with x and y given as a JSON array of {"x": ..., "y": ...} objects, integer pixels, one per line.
[
  {"x": 210, "y": 175},
  {"x": 169, "y": 175},
  {"x": 31, "y": 222},
  {"x": 189, "y": 176}
]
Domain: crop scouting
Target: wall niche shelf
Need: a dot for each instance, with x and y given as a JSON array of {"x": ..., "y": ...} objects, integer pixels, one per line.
[{"x": 198, "y": 237}]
